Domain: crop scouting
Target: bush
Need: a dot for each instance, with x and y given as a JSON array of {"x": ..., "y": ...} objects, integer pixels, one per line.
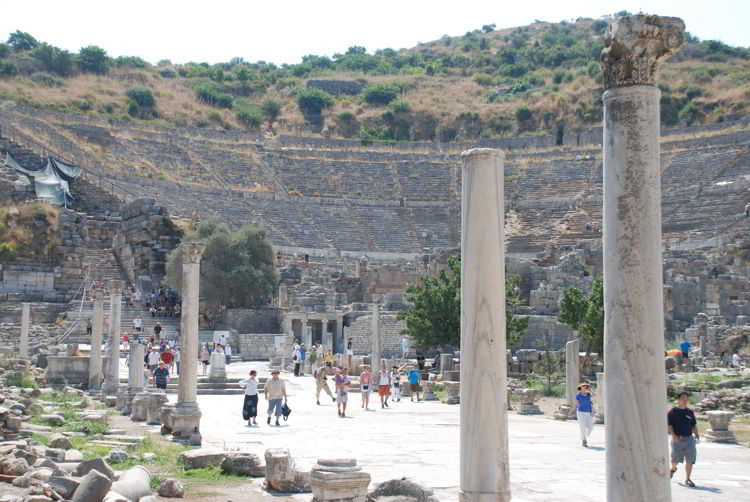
[
  {"x": 22, "y": 41},
  {"x": 271, "y": 109},
  {"x": 483, "y": 79},
  {"x": 381, "y": 94},
  {"x": 248, "y": 114},
  {"x": 313, "y": 101},
  {"x": 500, "y": 124},
  {"x": 691, "y": 114},
  {"x": 142, "y": 96},
  {"x": 523, "y": 113},
  {"x": 213, "y": 94},
  {"x": 46, "y": 79},
  {"x": 4, "y": 50},
  {"x": 93, "y": 59},
  {"x": 21, "y": 379},
  {"x": 347, "y": 124},
  {"x": 168, "y": 73},
  {"x": 132, "y": 108},
  {"x": 399, "y": 106},
  {"x": 7, "y": 68},
  {"x": 129, "y": 61}
]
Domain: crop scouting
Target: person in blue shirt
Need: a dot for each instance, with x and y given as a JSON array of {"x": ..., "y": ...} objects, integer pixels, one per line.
[
  {"x": 685, "y": 349},
  {"x": 415, "y": 377},
  {"x": 584, "y": 412}
]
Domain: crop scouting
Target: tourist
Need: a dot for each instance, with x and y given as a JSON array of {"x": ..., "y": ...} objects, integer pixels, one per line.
[
  {"x": 365, "y": 381},
  {"x": 396, "y": 384},
  {"x": 405, "y": 349},
  {"x": 138, "y": 323},
  {"x": 321, "y": 383},
  {"x": 314, "y": 357},
  {"x": 584, "y": 412},
  {"x": 250, "y": 406},
  {"x": 682, "y": 425},
  {"x": 747, "y": 209},
  {"x": 736, "y": 361},
  {"x": 342, "y": 390},
  {"x": 415, "y": 377},
  {"x": 157, "y": 330},
  {"x": 328, "y": 358},
  {"x": 153, "y": 359},
  {"x": 105, "y": 323},
  {"x": 166, "y": 356},
  {"x": 384, "y": 385},
  {"x": 161, "y": 377},
  {"x": 685, "y": 349},
  {"x": 302, "y": 355},
  {"x": 420, "y": 361},
  {"x": 228, "y": 354},
  {"x": 349, "y": 351},
  {"x": 176, "y": 360},
  {"x": 88, "y": 327},
  {"x": 295, "y": 358},
  {"x": 274, "y": 390},
  {"x": 204, "y": 356}
]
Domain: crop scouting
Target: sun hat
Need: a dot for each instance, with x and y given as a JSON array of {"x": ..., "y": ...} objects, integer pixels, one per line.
[
  {"x": 274, "y": 371},
  {"x": 582, "y": 384}
]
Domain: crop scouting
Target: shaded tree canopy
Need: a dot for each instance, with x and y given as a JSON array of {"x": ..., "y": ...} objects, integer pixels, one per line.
[
  {"x": 585, "y": 314},
  {"x": 435, "y": 315},
  {"x": 236, "y": 268}
]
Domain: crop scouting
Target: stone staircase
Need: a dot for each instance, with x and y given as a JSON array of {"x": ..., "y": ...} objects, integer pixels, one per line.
[{"x": 228, "y": 387}]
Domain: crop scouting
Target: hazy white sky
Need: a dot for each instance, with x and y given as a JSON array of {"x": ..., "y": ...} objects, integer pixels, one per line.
[{"x": 282, "y": 31}]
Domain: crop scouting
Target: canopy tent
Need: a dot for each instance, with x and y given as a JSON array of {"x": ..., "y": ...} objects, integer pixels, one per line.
[{"x": 50, "y": 183}]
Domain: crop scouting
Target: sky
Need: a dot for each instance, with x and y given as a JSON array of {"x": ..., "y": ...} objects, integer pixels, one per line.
[{"x": 283, "y": 31}]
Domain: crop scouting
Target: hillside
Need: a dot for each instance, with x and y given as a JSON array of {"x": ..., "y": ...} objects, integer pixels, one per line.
[{"x": 538, "y": 79}]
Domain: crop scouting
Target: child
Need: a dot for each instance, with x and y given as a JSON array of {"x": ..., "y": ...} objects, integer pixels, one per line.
[
  {"x": 396, "y": 384},
  {"x": 365, "y": 380}
]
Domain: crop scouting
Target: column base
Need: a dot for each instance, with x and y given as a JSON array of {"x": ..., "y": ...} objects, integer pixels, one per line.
[
  {"x": 111, "y": 387},
  {"x": 563, "y": 413},
  {"x": 720, "y": 436},
  {"x": 466, "y": 496},
  {"x": 185, "y": 422},
  {"x": 529, "y": 409},
  {"x": 126, "y": 398}
]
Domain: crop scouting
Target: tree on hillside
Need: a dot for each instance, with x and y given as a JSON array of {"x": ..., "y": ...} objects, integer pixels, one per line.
[
  {"x": 93, "y": 59},
  {"x": 271, "y": 109},
  {"x": 435, "y": 315},
  {"x": 585, "y": 314},
  {"x": 22, "y": 41},
  {"x": 236, "y": 268}
]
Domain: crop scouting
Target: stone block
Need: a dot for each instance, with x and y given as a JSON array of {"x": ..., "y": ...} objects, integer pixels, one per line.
[
  {"x": 202, "y": 457},
  {"x": 95, "y": 464},
  {"x": 282, "y": 475},
  {"x": 93, "y": 487},
  {"x": 171, "y": 488},
  {"x": 339, "y": 480},
  {"x": 403, "y": 488},
  {"x": 244, "y": 464}
]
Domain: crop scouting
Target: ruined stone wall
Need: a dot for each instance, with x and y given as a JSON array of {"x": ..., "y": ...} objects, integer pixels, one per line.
[
  {"x": 390, "y": 334},
  {"x": 260, "y": 320},
  {"x": 145, "y": 236},
  {"x": 254, "y": 346}
]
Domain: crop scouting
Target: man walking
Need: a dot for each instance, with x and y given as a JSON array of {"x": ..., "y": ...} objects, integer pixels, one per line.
[
  {"x": 321, "y": 383},
  {"x": 274, "y": 390},
  {"x": 682, "y": 425},
  {"x": 138, "y": 324},
  {"x": 384, "y": 385},
  {"x": 342, "y": 390},
  {"x": 227, "y": 354},
  {"x": 153, "y": 359},
  {"x": 161, "y": 377},
  {"x": 405, "y": 349},
  {"x": 295, "y": 358},
  {"x": 415, "y": 377}
]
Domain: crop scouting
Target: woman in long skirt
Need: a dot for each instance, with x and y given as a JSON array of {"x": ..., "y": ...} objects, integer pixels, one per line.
[{"x": 250, "y": 406}]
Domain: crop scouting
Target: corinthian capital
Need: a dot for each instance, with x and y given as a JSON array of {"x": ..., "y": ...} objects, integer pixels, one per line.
[
  {"x": 115, "y": 287},
  {"x": 634, "y": 45},
  {"x": 192, "y": 252}
]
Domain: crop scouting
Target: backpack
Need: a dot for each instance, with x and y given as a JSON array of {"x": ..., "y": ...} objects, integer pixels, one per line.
[{"x": 286, "y": 411}]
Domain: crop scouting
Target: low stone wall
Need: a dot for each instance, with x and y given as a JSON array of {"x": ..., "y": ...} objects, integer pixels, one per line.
[
  {"x": 390, "y": 334},
  {"x": 260, "y": 320},
  {"x": 67, "y": 370},
  {"x": 22, "y": 277},
  {"x": 254, "y": 346}
]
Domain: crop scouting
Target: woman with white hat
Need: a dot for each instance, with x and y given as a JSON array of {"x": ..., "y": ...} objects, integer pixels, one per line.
[{"x": 584, "y": 412}]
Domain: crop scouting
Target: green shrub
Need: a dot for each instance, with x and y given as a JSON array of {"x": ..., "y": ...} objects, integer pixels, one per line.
[
  {"x": 500, "y": 124},
  {"x": 8, "y": 69},
  {"x": 347, "y": 124},
  {"x": 399, "y": 106},
  {"x": 523, "y": 113},
  {"x": 142, "y": 96},
  {"x": 483, "y": 79},
  {"x": 313, "y": 100},
  {"x": 214, "y": 95},
  {"x": 46, "y": 79},
  {"x": 381, "y": 94},
  {"x": 22, "y": 41},
  {"x": 129, "y": 61},
  {"x": 93, "y": 59},
  {"x": 271, "y": 109},
  {"x": 691, "y": 113},
  {"x": 88, "y": 427},
  {"x": 21, "y": 379},
  {"x": 4, "y": 50},
  {"x": 248, "y": 114},
  {"x": 168, "y": 73},
  {"x": 132, "y": 108},
  {"x": 108, "y": 108}
]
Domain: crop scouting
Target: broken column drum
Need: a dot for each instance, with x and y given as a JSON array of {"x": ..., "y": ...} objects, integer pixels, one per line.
[
  {"x": 637, "y": 454},
  {"x": 112, "y": 373},
  {"x": 484, "y": 470},
  {"x": 185, "y": 421},
  {"x": 96, "y": 374}
]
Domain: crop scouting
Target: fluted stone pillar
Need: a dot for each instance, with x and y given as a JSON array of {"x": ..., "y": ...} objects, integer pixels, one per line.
[
  {"x": 112, "y": 374},
  {"x": 637, "y": 453},
  {"x": 375, "y": 333},
  {"x": 484, "y": 469},
  {"x": 601, "y": 393},
  {"x": 572, "y": 349},
  {"x": 97, "y": 324},
  {"x": 187, "y": 415},
  {"x": 23, "y": 348},
  {"x": 136, "y": 376}
]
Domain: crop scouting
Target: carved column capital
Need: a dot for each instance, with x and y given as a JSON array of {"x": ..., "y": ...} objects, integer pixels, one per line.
[
  {"x": 634, "y": 45},
  {"x": 192, "y": 252},
  {"x": 115, "y": 286}
]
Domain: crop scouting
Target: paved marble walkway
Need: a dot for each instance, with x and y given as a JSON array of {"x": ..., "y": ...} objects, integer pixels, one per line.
[{"x": 421, "y": 440}]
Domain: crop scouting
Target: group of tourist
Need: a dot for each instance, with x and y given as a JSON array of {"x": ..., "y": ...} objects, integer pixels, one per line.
[
  {"x": 204, "y": 354},
  {"x": 318, "y": 357}
]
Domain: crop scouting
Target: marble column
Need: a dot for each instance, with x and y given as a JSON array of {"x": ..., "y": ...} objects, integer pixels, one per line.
[
  {"x": 136, "y": 377},
  {"x": 23, "y": 349},
  {"x": 572, "y": 378},
  {"x": 97, "y": 324},
  {"x": 484, "y": 469},
  {"x": 186, "y": 417},
  {"x": 111, "y": 383},
  {"x": 375, "y": 334},
  {"x": 601, "y": 400},
  {"x": 325, "y": 339},
  {"x": 637, "y": 453}
]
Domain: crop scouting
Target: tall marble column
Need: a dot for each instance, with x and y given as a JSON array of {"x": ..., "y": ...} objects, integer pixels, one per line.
[
  {"x": 23, "y": 349},
  {"x": 187, "y": 415},
  {"x": 637, "y": 453},
  {"x": 325, "y": 339},
  {"x": 97, "y": 324},
  {"x": 111, "y": 383},
  {"x": 136, "y": 377},
  {"x": 601, "y": 400},
  {"x": 572, "y": 349},
  {"x": 484, "y": 469},
  {"x": 375, "y": 333}
]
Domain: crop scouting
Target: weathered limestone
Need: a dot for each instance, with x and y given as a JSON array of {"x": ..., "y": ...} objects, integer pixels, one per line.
[
  {"x": 637, "y": 468},
  {"x": 375, "y": 356},
  {"x": 185, "y": 420},
  {"x": 97, "y": 324},
  {"x": 136, "y": 379},
  {"x": 133, "y": 484},
  {"x": 446, "y": 363},
  {"x": 601, "y": 387},
  {"x": 282, "y": 475},
  {"x": 218, "y": 371},
  {"x": 529, "y": 397},
  {"x": 112, "y": 374},
  {"x": 139, "y": 406},
  {"x": 484, "y": 469},
  {"x": 339, "y": 480},
  {"x": 719, "y": 431},
  {"x": 23, "y": 349},
  {"x": 571, "y": 381},
  {"x": 154, "y": 406}
]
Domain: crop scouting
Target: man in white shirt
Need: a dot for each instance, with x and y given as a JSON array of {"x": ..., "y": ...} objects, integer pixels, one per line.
[
  {"x": 137, "y": 324},
  {"x": 736, "y": 360},
  {"x": 153, "y": 360},
  {"x": 228, "y": 353},
  {"x": 405, "y": 349}
]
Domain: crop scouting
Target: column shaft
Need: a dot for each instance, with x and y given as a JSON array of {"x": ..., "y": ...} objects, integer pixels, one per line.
[
  {"x": 375, "y": 330},
  {"x": 23, "y": 349},
  {"x": 112, "y": 377},
  {"x": 484, "y": 469},
  {"x": 97, "y": 324},
  {"x": 637, "y": 468},
  {"x": 136, "y": 378},
  {"x": 189, "y": 328}
]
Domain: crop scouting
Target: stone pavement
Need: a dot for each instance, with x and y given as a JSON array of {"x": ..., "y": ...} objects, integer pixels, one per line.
[{"x": 421, "y": 440}]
